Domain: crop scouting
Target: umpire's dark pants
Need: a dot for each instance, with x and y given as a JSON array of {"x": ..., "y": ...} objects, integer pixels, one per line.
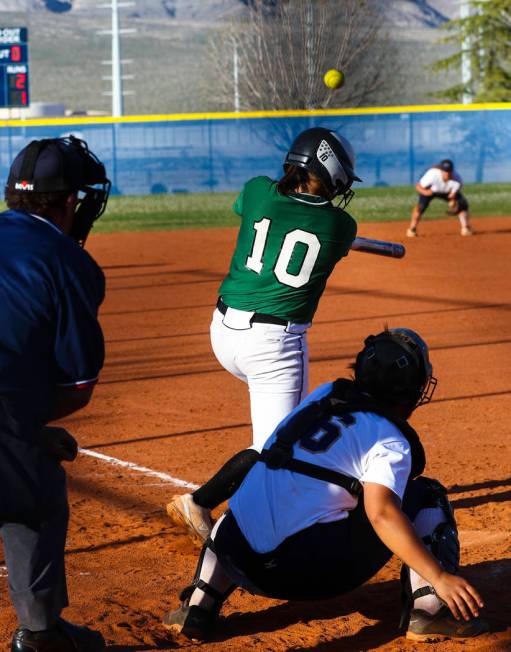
[
  {"x": 33, "y": 525},
  {"x": 322, "y": 561},
  {"x": 34, "y": 556}
]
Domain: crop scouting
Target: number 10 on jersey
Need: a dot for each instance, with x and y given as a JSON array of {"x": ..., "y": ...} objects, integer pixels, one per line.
[{"x": 255, "y": 261}]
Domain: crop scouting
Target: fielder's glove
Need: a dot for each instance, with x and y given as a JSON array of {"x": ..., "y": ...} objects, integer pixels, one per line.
[
  {"x": 453, "y": 207},
  {"x": 59, "y": 443}
]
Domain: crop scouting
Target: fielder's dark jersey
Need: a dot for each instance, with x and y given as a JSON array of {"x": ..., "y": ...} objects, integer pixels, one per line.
[
  {"x": 50, "y": 292},
  {"x": 287, "y": 248}
]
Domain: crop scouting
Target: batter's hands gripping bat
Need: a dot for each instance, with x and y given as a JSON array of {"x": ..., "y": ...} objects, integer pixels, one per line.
[{"x": 379, "y": 247}]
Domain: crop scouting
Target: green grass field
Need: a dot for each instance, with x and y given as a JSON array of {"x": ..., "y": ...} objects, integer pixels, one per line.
[{"x": 205, "y": 210}]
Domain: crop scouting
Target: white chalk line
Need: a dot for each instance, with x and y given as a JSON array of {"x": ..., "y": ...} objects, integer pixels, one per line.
[{"x": 141, "y": 469}]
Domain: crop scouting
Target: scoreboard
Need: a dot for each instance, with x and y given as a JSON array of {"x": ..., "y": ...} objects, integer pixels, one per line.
[{"x": 14, "y": 89}]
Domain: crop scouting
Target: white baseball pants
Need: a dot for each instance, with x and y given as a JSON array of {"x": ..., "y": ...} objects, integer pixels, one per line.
[{"x": 272, "y": 360}]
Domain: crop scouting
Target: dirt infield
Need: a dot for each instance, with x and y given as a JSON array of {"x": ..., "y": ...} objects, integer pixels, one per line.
[{"x": 164, "y": 403}]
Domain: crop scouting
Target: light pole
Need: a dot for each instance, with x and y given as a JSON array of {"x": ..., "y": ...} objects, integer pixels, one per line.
[
  {"x": 116, "y": 62},
  {"x": 309, "y": 56},
  {"x": 466, "y": 67},
  {"x": 235, "y": 61}
]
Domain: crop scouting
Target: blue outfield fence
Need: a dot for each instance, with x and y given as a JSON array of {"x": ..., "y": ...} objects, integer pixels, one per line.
[{"x": 219, "y": 152}]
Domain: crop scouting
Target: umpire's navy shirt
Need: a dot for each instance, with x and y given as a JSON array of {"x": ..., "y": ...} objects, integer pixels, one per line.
[{"x": 50, "y": 292}]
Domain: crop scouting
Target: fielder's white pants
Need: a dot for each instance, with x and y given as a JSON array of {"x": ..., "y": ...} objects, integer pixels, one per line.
[{"x": 272, "y": 361}]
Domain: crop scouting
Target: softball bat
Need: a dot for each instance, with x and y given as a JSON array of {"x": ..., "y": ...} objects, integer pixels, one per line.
[{"x": 379, "y": 247}]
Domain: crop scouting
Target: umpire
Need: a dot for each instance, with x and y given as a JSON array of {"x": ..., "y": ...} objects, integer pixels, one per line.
[{"x": 51, "y": 352}]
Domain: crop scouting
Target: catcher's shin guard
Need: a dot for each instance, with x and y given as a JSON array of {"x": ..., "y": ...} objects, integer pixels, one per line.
[
  {"x": 443, "y": 543},
  {"x": 197, "y": 621}
]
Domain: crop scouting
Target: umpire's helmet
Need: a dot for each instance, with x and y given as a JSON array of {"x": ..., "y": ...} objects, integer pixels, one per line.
[
  {"x": 63, "y": 165},
  {"x": 394, "y": 366},
  {"x": 329, "y": 156}
]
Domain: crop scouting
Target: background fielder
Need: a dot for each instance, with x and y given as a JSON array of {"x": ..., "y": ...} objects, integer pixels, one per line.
[
  {"x": 290, "y": 239},
  {"x": 442, "y": 182}
]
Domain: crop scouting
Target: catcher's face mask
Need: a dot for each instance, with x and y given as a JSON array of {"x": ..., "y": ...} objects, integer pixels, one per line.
[{"x": 394, "y": 366}]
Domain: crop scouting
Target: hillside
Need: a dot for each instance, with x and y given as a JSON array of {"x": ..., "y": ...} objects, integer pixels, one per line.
[{"x": 169, "y": 51}]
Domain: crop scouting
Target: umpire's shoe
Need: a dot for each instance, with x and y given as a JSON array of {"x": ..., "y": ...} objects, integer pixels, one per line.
[
  {"x": 64, "y": 637},
  {"x": 193, "y": 622},
  {"x": 430, "y": 628}
]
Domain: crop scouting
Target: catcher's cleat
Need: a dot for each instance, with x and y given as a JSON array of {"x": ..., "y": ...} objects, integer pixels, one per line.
[
  {"x": 184, "y": 512},
  {"x": 429, "y": 628},
  {"x": 65, "y": 637},
  {"x": 466, "y": 230},
  {"x": 411, "y": 233},
  {"x": 193, "y": 622}
]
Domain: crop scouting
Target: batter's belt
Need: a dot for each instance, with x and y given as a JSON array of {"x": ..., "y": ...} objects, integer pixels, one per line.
[{"x": 258, "y": 317}]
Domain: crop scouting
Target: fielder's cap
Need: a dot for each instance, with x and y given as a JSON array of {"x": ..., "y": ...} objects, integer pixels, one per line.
[
  {"x": 54, "y": 165},
  {"x": 446, "y": 165}
]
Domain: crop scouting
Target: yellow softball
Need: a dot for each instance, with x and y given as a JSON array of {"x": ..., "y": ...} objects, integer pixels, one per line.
[{"x": 333, "y": 78}]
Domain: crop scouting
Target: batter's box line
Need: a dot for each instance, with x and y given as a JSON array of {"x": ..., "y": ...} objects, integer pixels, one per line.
[{"x": 150, "y": 473}]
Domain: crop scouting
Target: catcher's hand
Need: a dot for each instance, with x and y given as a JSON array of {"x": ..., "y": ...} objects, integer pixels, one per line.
[
  {"x": 59, "y": 443},
  {"x": 453, "y": 207}
]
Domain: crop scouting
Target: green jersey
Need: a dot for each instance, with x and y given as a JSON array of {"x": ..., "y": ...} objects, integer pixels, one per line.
[{"x": 287, "y": 248}]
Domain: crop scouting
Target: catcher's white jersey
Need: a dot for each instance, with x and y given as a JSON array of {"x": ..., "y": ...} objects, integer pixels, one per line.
[
  {"x": 433, "y": 180},
  {"x": 271, "y": 505}
]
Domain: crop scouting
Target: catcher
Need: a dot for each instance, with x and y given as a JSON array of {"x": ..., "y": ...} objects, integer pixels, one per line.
[
  {"x": 442, "y": 182},
  {"x": 336, "y": 490}
]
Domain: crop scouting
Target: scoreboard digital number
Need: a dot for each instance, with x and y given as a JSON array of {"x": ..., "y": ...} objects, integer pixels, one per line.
[{"x": 14, "y": 89}]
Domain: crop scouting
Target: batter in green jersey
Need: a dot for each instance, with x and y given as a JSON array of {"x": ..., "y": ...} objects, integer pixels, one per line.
[
  {"x": 287, "y": 247},
  {"x": 290, "y": 239}
]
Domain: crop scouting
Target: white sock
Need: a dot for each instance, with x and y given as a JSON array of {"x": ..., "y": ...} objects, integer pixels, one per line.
[
  {"x": 463, "y": 218},
  {"x": 425, "y": 523}
]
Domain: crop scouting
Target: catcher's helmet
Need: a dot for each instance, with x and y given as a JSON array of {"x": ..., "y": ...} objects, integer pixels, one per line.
[
  {"x": 329, "y": 156},
  {"x": 394, "y": 366},
  {"x": 60, "y": 165}
]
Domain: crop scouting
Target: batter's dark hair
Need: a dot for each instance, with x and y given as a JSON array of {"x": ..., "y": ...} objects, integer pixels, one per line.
[
  {"x": 296, "y": 176},
  {"x": 35, "y": 202}
]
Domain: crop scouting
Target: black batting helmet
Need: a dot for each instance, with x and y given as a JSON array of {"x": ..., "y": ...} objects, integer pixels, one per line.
[
  {"x": 327, "y": 155},
  {"x": 394, "y": 366}
]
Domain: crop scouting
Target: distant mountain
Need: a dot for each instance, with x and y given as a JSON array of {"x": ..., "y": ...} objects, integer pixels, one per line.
[
  {"x": 169, "y": 51},
  {"x": 420, "y": 13},
  {"x": 424, "y": 13},
  {"x": 179, "y": 9}
]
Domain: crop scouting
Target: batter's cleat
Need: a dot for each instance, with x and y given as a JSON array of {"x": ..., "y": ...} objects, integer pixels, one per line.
[
  {"x": 65, "y": 637},
  {"x": 411, "y": 233},
  {"x": 193, "y": 622},
  {"x": 466, "y": 230},
  {"x": 184, "y": 512},
  {"x": 429, "y": 628}
]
